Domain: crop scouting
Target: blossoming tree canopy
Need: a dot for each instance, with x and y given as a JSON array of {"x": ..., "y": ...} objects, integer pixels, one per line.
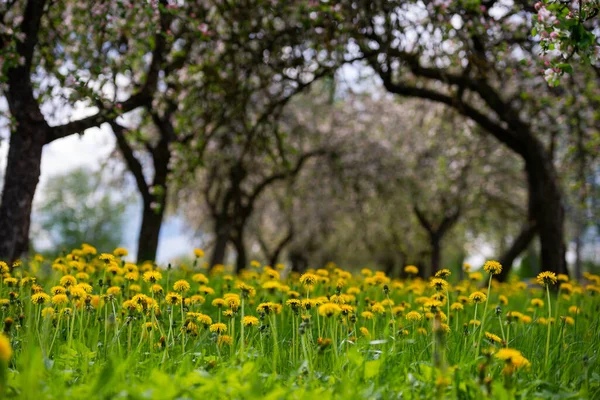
[{"x": 566, "y": 30}]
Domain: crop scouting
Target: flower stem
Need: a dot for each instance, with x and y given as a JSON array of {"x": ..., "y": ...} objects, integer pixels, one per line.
[{"x": 549, "y": 326}]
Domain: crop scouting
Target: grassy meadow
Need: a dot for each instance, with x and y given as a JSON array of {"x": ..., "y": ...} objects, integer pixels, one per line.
[{"x": 89, "y": 325}]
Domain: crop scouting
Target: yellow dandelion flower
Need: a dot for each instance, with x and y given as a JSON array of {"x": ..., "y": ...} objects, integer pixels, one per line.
[
  {"x": 206, "y": 290},
  {"x": 513, "y": 359},
  {"x": 367, "y": 315},
  {"x": 218, "y": 328},
  {"x": 40, "y": 298},
  {"x": 58, "y": 290},
  {"x": 492, "y": 267},
  {"x": 200, "y": 278},
  {"x": 199, "y": 253},
  {"x": 574, "y": 310},
  {"x": 204, "y": 319},
  {"x": 48, "y": 312},
  {"x": 181, "y": 286},
  {"x": 114, "y": 290},
  {"x": 411, "y": 270},
  {"x": 493, "y": 338},
  {"x": 60, "y": 299},
  {"x": 250, "y": 320},
  {"x": 477, "y": 297},
  {"x": 475, "y": 276},
  {"x": 152, "y": 276},
  {"x": 4, "y": 268},
  {"x": 225, "y": 340},
  {"x": 68, "y": 280},
  {"x": 378, "y": 308},
  {"x": 308, "y": 279},
  {"x": 173, "y": 298},
  {"x": 438, "y": 284},
  {"x": 120, "y": 252},
  {"x": 546, "y": 278},
  {"x": 443, "y": 273},
  {"x": 413, "y": 316},
  {"x": 568, "y": 320},
  {"x": 538, "y": 303},
  {"x": 107, "y": 258},
  {"x": 5, "y": 348}
]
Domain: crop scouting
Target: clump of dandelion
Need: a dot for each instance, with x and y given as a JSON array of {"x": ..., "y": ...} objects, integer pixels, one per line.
[{"x": 547, "y": 279}]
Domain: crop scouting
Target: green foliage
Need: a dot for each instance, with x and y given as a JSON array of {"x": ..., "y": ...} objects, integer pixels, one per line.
[{"x": 77, "y": 208}]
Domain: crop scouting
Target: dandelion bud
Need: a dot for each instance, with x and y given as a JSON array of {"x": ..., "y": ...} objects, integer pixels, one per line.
[
  {"x": 386, "y": 289},
  {"x": 8, "y": 324},
  {"x": 498, "y": 310}
]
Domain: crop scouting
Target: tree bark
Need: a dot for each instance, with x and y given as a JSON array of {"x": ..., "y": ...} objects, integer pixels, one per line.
[
  {"x": 274, "y": 258},
  {"x": 241, "y": 259},
  {"x": 26, "y": 141},
  {"x": 299, "y": 261},
  {"x": 547, "y": 208},
  {"x": 20, "y": 182},
  {"x": 222, "y": 237},
  {"x": 436, "y": 253},
  {"x": 149, "y": 233}
]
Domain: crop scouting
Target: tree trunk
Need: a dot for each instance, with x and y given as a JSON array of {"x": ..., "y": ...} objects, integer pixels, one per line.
[
  {"x": 241, "y": 259},
  {"x": 149, "y": 233},
  {"x": 547, "y": 208},
  {"x": 280, "y": 247},
  {"x": 20, "y": 182},
  {"x": 519, "y": 245},
  {"x": 222, "y": 237},
  {"x": 299, "y": 261},
  {"x": 436, "y": 254}
]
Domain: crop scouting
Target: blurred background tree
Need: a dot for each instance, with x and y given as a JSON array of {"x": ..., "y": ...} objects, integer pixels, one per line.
[{"x": 77, "y": 208}]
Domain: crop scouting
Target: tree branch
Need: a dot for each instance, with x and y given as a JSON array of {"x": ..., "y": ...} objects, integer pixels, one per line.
[
  {"x": 134, "y": 165},
  {"x": 143, "y": 97}
]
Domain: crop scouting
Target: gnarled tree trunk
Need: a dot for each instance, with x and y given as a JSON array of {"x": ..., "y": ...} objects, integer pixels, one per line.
[
  {"x": 21, "y": 179},
  {"x": 547, "y": 207}
]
